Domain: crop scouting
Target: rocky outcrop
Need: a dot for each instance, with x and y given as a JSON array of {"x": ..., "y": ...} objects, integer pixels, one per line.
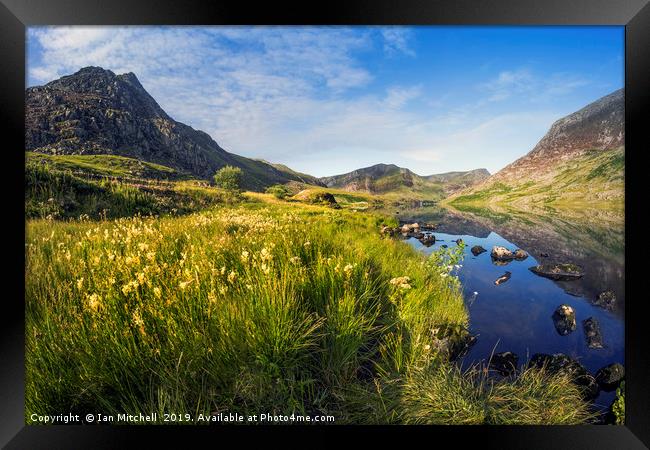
[
  {"x": 503, "y": 278},
  {"x": 477, "y": 250},
  {"x": 564, "y": 319},
  {"x": 610, "y": 376},
  {"x": 558, "y": 271},
  {"x": 560, "y": 363},
  {"x": 95, "y": 111},
  {"x": 592, "y": 333},
  {"x": 505, "y": 363},
  {"x": 605, "y": 300}
]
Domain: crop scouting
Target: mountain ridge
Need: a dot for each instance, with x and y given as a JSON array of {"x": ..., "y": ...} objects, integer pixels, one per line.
[
  {"x": 95, "y": 111},
  {"x": 382, "y": 178},
  {"x": 581, "y": 152}
]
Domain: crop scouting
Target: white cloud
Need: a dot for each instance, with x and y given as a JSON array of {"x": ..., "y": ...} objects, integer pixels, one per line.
[
  {"x": 302, "y": 96},
  {"x": 396, "y": 41},
  {"x": 524, "y": 83}
]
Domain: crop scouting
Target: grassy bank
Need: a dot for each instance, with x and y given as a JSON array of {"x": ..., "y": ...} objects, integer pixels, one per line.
[
  {"x": 263, "y": 306},
  {"x": 595, "y": 179},
  {"x": 55, "y": 192}
]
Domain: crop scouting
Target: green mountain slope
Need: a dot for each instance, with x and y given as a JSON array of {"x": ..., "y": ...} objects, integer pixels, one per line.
[
  {"x": 581, "y": 160},
  {"x": 393, "y": 181}
]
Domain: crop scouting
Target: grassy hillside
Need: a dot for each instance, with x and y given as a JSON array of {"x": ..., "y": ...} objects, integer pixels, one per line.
[
  {"x": 60, "y": 190},
  {"x": 594, "y": 178},
  {"x": 105, "y": 166},
  {"x": 265, "y": 306},
  {"x": 397, "y": 183}
]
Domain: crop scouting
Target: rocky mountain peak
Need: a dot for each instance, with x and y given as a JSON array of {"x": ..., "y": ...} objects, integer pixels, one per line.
[
  {"x": 596, "y": 127},
  {"x": 95, "y": 111}
]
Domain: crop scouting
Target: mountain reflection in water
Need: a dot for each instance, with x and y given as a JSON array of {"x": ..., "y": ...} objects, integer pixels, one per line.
[{"x": 516, "y": 315}]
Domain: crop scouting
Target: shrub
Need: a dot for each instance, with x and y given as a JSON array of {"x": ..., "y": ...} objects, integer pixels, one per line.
[
  {"x": 278, "y": 190},
  {"x": 229, "y": 178}
]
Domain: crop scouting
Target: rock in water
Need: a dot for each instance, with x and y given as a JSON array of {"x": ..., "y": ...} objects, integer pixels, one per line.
[
  {"x": 610, "y": 376},
  {"x": 593, "y": 333},
  {"x": 458, "y": 241},
  {"x": 605, "y": 300},
  {"x": 564, "y": 319},
  {"x": 503, "y": 278},
  {"x": 505, "y": 363},
  {"x": 501, "y": 253},
  {"x": 520, "y": 254},
  {"x": 428, "y": 240},
  {"x": 477, "y": 250},
  {"x": 561, "y": 363},
  {"x": 558, "y": 271}
]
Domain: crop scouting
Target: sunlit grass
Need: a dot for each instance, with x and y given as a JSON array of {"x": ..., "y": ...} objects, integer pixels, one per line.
[{"x": 263, "y": 306}]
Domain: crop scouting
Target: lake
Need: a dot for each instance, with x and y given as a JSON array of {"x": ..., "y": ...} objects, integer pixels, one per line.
[{"x": 516, "y": 315}]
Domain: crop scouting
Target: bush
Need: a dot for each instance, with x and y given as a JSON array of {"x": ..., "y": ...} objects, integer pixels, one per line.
[
  {"x": 229, "y": 178},
  {"x": 278, "y": 190}
]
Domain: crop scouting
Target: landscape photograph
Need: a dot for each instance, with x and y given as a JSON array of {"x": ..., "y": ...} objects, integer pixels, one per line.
[{"x": 289, "y": 225}]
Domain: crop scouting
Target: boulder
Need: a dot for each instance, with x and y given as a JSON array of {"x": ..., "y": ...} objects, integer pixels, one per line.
[
  {"x": 593, "y": 333},
  {"x": 520, "y": 254},
  {"x": 503, "y": 278},
  {"x": 389, "y": 231},
  {"x": 505, "y": 363},
  {"x": 610, "y": 376},
  {"x": 605, "y": 300},
  {"x": 455, "y": 343},
  {"x": 564, "y": 319},
  {"x": 564, "y": 272},
  {"x": 428, "y": 240},
  {"x": 501, "y": 254},
  {"x": 561, "y": 364},
  {"x": 477, "y": 250}
]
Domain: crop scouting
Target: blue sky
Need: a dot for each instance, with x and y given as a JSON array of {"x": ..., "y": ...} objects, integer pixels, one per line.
[{"x": 327, "y": 100}]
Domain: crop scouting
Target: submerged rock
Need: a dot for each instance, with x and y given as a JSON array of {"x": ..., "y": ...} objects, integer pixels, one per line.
[
  {"x": 503, "y": 278},
  {"x": 593, "y": 333},
  {"x": 558, "y": 271},
  {"x": 458, "y": 241},
  {"x": 605, "y": 300},
  {"x": 560, "y": 363},
  {"x": 501, "y": 253},
  {"x": 564, "y": 319},
  {"x": 505, "y": 363},
  {"x": 477, "y": 250},
  {"x": 610, "y": 376}
]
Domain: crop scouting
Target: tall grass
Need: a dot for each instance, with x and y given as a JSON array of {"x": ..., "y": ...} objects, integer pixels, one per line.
[
  {"x": 56, "y": 194},
  {"x": 252, "y": 308}
]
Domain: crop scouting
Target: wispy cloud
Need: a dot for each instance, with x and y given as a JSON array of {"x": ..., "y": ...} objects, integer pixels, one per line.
[
  {"x": 535, "y": 87},
  {"x": 397, "y": 40},
  {"x": 316, "y": 98}
]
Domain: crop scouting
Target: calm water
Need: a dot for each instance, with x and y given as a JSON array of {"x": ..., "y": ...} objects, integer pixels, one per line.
[{"x": 516, "y": 315}]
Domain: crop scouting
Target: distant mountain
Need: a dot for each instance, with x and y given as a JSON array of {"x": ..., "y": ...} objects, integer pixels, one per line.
[
  {"x": 95, "y": 111},
  {"x": 389, "y": 178},
  {"x": 581, "y": 158}
]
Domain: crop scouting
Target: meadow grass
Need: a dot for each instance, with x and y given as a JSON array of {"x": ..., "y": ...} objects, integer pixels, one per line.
[{"x": 262, "y": 306}]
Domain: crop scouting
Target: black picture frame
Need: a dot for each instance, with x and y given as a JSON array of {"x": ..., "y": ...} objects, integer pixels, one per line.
[{"x": 16, "y": 15}]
